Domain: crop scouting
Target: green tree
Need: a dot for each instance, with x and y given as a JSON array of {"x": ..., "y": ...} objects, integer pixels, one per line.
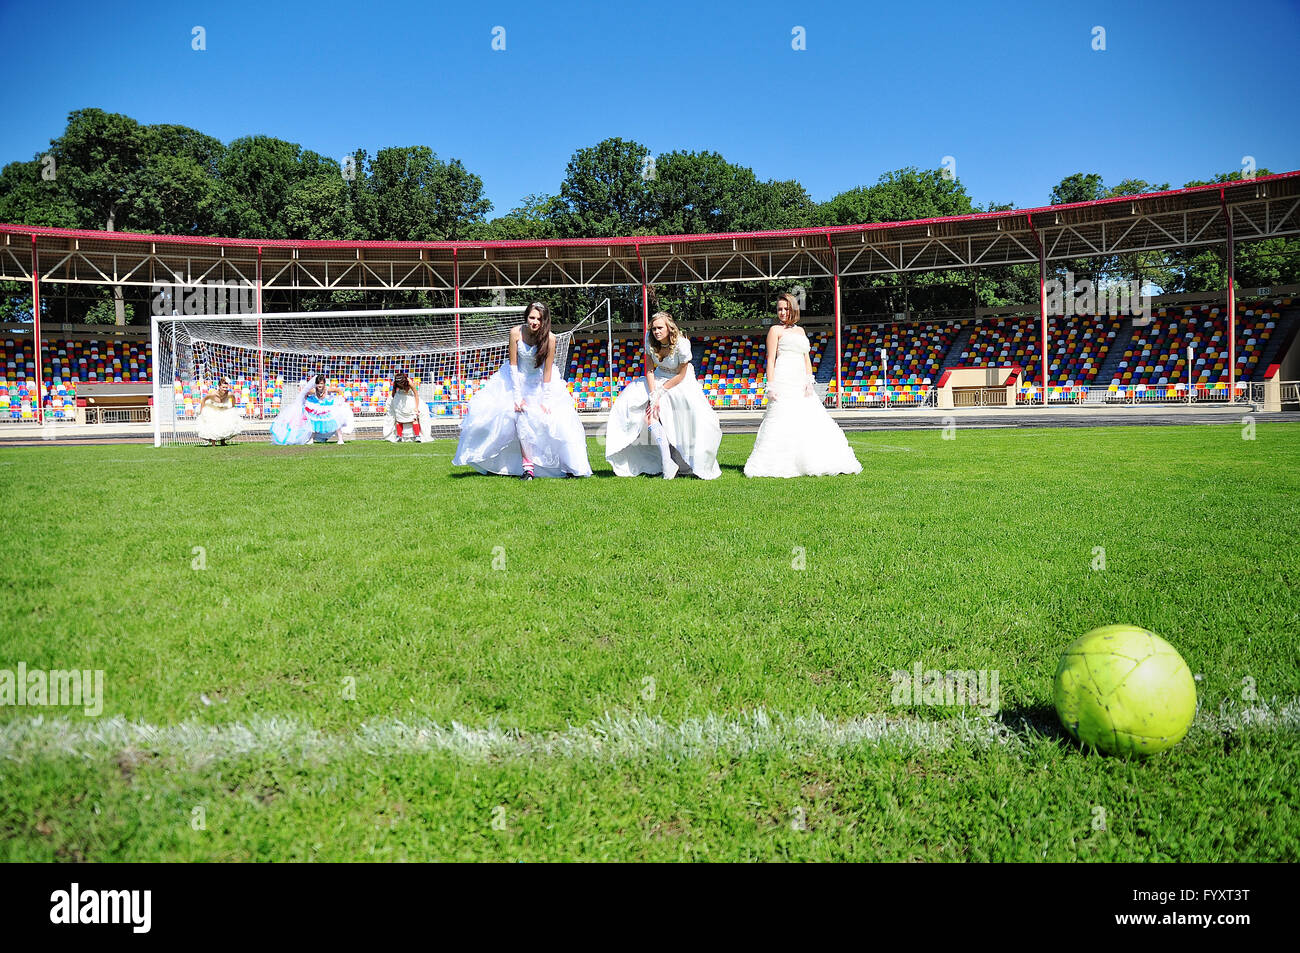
[
  {"x": 698, "y": 192},
  {"x": 415, "y": 196},
  {"x": 101, "y": 158},
  {"x": 1079, "y": 187},
  {"x": 780, "y": 204},
  {"x": 899, "y": 196},
  {"x": 534, "y": 219},
  {"x": 1148, "y": 267},
  {"x": 323, "y": 207},
  {"x": 104, "y": 311},
  {"x": 258, "y": 175},
  {"x": 28, "y": 198},
  {"x": 605, "y": 191},
  {"x": 120, "y": 175},
  {"x": 695, "y": 192}
]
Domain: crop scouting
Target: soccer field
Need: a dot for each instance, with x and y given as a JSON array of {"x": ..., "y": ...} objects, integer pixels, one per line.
[{"x": 361, "y": 652}]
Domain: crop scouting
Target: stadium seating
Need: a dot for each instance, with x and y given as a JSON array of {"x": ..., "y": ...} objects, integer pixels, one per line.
[
  {"x": 915, "y": 352},
  {"x": 76, "y": 360},
  {"x": 18, "y": 400},
  {"x": 731, "y": 368},
  {"x": 1139, "y": 362},
  {"x": 1078, "y": 347},
  {"x": 1157, "y": 356}
]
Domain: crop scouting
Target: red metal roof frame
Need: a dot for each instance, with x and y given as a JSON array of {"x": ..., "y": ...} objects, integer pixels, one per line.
[{"x": 817, "y": 231}]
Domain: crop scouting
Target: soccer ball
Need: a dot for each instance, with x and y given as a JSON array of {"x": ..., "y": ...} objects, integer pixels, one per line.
[{"x": 1125, "y": 690}]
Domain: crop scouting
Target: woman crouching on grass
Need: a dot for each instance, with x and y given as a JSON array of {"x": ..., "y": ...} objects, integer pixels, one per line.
[
  {"x": 218, "y": 420},
  {"x": 662, "y": 423},
  {"x": 316, "y": 414},
  {"x": 405, "y": 410}
]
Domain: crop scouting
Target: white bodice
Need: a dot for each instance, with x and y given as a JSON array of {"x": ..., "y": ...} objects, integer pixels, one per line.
[
  {"x": 526, "y": 358},
  {"x": 791, "y": 351},
  {"x": 672, "y": 363},
  {"x": 793, "y": 341}
]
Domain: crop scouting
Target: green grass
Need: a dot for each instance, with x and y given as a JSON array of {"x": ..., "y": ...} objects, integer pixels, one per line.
[{"x": 640, "y": 680}]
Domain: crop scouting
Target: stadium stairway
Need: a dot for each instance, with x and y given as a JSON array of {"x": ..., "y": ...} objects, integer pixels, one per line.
[
  {"x": 1287, "y": 324},
  {"x": 1123, "y": 340},
  {"x": 826, "y": 366},
  {"x": 953, "y": 357}
]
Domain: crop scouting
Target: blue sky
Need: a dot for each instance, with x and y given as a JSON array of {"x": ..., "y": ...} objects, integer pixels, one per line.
[{"x": 1013, "y": 92}]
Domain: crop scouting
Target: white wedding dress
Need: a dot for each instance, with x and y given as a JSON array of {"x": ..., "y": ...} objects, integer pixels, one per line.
[
  {"x": 797, "y": 436},
  {"x": 493, "y": 435},
  {"x": 689, "y": 421},
  {"x": 218, "y": 419}
]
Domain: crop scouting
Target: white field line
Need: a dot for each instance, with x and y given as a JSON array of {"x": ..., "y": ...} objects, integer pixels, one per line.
[
  {"x": 861, "y": 445},
  {"x": 325, "y": 455},
  {"x": 611, "y": 738}
]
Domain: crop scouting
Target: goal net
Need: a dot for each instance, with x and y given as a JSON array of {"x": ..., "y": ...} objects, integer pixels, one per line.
[{"x": 448, "y": 353}]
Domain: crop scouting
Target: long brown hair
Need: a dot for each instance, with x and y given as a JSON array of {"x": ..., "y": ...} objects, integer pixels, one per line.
[
  {"x": 401, "y": 382},
  {"x": 543, "y": 336}
]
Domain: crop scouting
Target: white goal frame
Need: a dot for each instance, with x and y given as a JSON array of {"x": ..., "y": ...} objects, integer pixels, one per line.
[{"x": 458, "y": 347}]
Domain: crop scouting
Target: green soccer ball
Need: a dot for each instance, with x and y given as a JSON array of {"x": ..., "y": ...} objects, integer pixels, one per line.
[{"x": 1125, "y": 691}]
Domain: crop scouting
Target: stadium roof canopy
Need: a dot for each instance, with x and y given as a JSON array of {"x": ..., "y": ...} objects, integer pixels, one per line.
[{"x": 1265, "y": 207}]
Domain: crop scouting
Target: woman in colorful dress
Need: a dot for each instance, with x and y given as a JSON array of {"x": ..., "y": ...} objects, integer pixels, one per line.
[
  {"x": 662, "y": 423},
  {"x": 316, "y": 414},
  {"x": 218, "y": 420},
  {"x": 523, "y": 422}
]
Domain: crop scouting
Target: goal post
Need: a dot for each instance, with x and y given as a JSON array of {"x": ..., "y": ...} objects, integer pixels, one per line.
[{"x": 266, "y": 356}]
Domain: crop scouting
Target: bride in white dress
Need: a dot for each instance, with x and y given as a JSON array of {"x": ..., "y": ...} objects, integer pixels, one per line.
[
  {"x": 797, "y": 436},
  {"x": 218, "y": 418},
  {"x": 523, "y": 422},
  {"x": 662, "y": 422}
]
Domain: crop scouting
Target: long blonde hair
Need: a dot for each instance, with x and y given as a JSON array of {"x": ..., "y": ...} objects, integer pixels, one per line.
[{"x": 662, "y": 350}]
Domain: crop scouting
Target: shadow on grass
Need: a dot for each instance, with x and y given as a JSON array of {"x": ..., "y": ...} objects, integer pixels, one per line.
[{"x": 1036, "y": 721}]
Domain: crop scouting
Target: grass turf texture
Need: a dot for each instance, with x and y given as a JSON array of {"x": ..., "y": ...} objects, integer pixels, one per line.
[{"x": 630, "y": 613}]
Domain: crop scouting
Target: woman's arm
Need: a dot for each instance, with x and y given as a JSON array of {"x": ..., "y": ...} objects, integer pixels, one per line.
[
  {"x": 653, "y": 411},
  {"x": 649, "y": 366},
  {"x": 773, "y": 340},
  {"x": 515, "y": 383}
]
